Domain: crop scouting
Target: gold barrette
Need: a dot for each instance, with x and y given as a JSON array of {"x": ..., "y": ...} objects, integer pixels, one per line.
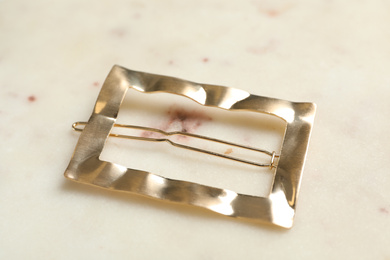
[{"x": 277, "y": 208}]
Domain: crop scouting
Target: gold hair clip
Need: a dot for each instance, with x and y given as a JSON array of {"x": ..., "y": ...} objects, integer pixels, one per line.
[{"x": 278, "y": 208}]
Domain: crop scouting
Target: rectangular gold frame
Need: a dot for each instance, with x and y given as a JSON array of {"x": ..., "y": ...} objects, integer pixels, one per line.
[{"x": 278, "y": 208}]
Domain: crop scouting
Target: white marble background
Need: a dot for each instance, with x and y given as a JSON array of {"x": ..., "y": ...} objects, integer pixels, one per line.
[{"x": 54, "y": 56}]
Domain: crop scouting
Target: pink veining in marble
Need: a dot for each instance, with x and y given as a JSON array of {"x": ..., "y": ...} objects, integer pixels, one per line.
[
  {"x": 118, "y": 32},
  {"x": 182, "y": 120},
  {"x": 273, "y": 9},
  {"x": 384, "y": 210},
  {"x": 269, "y": 46},
  {"x": 32, "y": 98}
]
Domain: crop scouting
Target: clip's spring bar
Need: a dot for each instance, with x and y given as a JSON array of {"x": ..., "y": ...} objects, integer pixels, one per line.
[{"x": 273, "y": 155}]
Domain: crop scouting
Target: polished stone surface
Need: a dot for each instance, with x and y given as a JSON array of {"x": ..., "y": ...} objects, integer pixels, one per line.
[{"x": 54, "y": 57}]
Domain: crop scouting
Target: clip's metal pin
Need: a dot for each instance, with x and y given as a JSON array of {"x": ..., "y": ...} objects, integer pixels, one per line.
[
  {"x": 272, "y": 155},
  {"x": 277, "y": 208}
]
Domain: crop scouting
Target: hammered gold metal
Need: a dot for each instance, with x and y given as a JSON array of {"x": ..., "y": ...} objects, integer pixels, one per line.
[{"x": 278, "y": 208}]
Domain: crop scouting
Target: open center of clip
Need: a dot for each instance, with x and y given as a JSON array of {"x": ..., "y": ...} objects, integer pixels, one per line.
[{"x": 179, "y": 123}]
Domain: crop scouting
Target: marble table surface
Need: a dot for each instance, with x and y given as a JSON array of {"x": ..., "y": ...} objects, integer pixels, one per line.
[{"x": 55, "y": 55}]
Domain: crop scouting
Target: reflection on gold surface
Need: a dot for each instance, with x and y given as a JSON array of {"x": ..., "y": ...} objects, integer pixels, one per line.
[
  {"x": 100, "y": 105},
  {"x": 282, "y": 212},
  {"x": 224, "y": 206},
  {"x": 286, "y": 113}
]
